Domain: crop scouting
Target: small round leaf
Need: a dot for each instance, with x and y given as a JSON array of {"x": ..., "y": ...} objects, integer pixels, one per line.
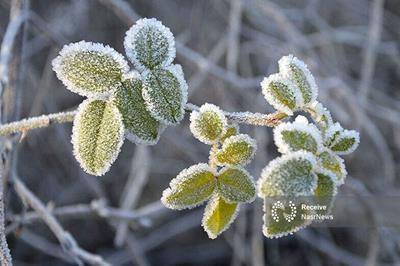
[
  {"x": 332, "y": 164},
  {"x": 236, "y": 185},
  {"x": 237, "y": 150}
]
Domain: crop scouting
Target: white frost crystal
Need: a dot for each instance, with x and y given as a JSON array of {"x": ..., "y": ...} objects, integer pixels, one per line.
[
  {"x": 97, "y": 135},
  {"x": 149, "y": 44},
  {"x": 289, "y": 175},
  {"x": 209, "y": 124},
  {"x": 165, "y": 94},
  {"x": 292, "y": 68},
  {"x": 237, "y": 150},
  {"x": 281, "y": 93},
  {"x": 346, "y": 142},
  {"x": 299, "y": 135},
  {"x": 90, "y": 69}
]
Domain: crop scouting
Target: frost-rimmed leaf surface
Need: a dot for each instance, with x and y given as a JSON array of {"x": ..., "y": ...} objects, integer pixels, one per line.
[
  {"x": 279, "y": 227},
  {"x": 299, "y": 135},
  {"x": 97, "y": 135},
  {"x": 218, "y": 216},
  {"x": 325, "y": 192},
  {"x": 346, "y": 142},
  {"x": 209, "y": 124},
  {"x": 232, "y": 129},
  {"x": 237, "y": 150},
  {"x": 236, "y": 185},
  {"x": 165, "y": 94},
  {"x": 334, "y": 165},
  {"x": 90, "y": 69},
  {"x": 149, "y": 44},
  {"x": 281, "y": 93},
  {"x": 321, "y": 116},
  {"x": 190, "y": 188},
  {"x": 289, "y": 175},
  {"x": 290, "y": 67},
  {"x": 140, "y": 126}
]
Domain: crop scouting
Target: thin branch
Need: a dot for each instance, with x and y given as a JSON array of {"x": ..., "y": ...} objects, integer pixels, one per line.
[
  {"x": 66, "y": 240},
  {"x": 5, "y": 256}
]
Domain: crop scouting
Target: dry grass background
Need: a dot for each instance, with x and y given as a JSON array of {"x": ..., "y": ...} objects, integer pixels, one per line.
[{"x": 225, "y": 47}]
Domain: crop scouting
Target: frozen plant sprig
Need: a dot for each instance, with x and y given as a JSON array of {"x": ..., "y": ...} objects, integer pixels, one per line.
[
  {"x": 223, "y": 182},
  {"x": 122, "y": 102}
]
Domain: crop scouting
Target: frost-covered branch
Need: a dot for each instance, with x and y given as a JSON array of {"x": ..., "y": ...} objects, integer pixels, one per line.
[
  {"x": 64, "y": 237},
  {"x": 25, "y": 125}
]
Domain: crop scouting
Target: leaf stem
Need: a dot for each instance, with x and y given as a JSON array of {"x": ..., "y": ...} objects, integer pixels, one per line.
[{"x": 24, "y": 125}]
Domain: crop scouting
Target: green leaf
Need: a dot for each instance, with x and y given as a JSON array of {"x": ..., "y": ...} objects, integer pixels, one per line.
[
  {"x": 231, "y": 130},
  {"x": 140, "y": 126},
  {"x": 165, "y": 94},
  {"x": 325, "y": 192},
  {"x": 97, "y": 135},
  {"x": 289, "y": 175},
  {"x": 218, "y": 216},
  {"x": 236, "y": 185},
  {"x": 90, "y": 69},
  {"x": 321, "y": 116},
  {"x": 190, "y": 188},
  {"x": 149, "y": 44},
  {"x": 295, "y": 70},
  {"x": 281, "y": 93},
  {"x": 346, "y": 142},
  {"x": 208, "y": 124},
  {"x": 237, "y": 150},
  {"x": 283, "y": 217},
  {"x": 333, "y": 164},
  {"x": 299, "y": 135}
]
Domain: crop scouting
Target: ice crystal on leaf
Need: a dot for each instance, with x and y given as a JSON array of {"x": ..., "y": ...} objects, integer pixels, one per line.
[
  {"x": 236, "y": 185},
  {"x": 237, "y": 150},
  {"x": 149, "y": 44},
  {"x": 346, "y": 142},
  {"x": 295, "y": 70},
  {"x": 164, "y": 92},
  {"x": 140, "y": 126},
  {"x": 299, "y": 135},
  {"x": 218, "y": 216},
  {"x": 190, "y": 188},
  {"x": 90, "y": 69},
  {"x": 332, "y": 164},
  {"x": 281, "y": 93},
  {"x": 289, "y": 175},
  {"x": 97, "y": 135},
  {"x": 209, "y": 124}
]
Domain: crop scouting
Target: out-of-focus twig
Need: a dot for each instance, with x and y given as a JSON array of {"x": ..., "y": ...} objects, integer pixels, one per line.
[{"x": 66, "y": 240}]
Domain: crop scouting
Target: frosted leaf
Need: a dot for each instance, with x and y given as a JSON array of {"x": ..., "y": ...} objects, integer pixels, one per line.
[
  {"x": 90, "y": 69},
  {"x": 283, "y": 217},
  {"x": 325, "y": 192},
  {"x": 332, "y": 134},
  {"x": 346, "y": 142},
  {"x": 289, "y": 175},
  {"x": 239, "y": 149},
  {"x": 165, "y": 94},
  {"x": 295, "y": 70},
  {"x": 190, "y": 188},
  {"x": 236, "y": 185},
  {"x": 140, "y": 126},
  {"x": 281, "y": 93},
  {"x": 218, "y": 216},
  {"x": 334, "y": 165},
  {"x": 232, "y": 129},
  {"x": 208, "y": 124},
  {"x": 298, "y": 135},
  {"x": 97, "y": 135},
  {"x": 321, "y": 116},
  {"x": 149, "y": 44}
]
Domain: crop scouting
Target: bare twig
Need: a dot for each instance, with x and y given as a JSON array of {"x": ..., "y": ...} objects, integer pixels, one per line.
[
  {"x": 66, "y": 240},
  {"x": 5, "y": 256}
]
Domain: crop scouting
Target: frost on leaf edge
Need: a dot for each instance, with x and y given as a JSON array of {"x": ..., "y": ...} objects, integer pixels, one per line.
[
  {"x": 239, "y": 138},
  {"x": 130, "y": 48},
  {"x": 75, "y": 127},
  {"x": 72, "y": 48},
  {"x": 197, "y": 168}
]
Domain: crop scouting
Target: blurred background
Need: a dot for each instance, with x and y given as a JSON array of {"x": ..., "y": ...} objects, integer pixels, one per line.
[{"x": 225, "y": 48}]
